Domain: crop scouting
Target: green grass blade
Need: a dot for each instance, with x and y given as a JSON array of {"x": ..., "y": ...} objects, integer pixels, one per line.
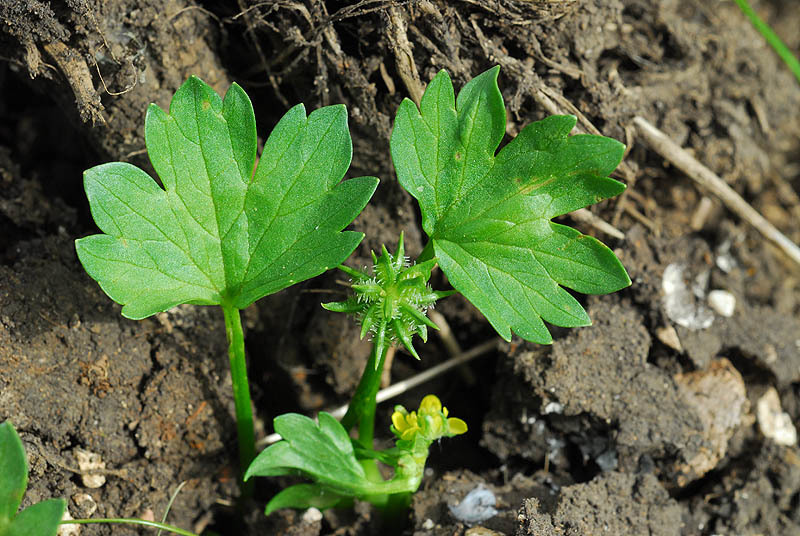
[{"x": 772, "y": 38}]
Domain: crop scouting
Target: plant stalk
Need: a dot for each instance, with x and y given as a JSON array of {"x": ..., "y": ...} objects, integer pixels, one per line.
[
  {"x": 131, "y": 521},
  {"x": 241, "y": 394},
  {"x": 361, "y": 411},
  {"x": 395, "y": 512}
]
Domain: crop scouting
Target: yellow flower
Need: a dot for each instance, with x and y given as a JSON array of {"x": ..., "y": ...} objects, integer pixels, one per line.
[
  {"x": 430, "y": 421},
  {"x": 405, "y": 423},
  {"x": 431, "y": 404}
]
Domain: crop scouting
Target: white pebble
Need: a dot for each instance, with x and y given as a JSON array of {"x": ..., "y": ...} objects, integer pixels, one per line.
[
  {"x": 85, "y": 503},
  {"x": 311, "y": 516},
  {"x": 723, "y": 302},
  {"x": 669, "y": 336},
  {"x": 681, "y": 303},
  {"x": 90, "y": 461},
  {"x": 477, "y": 506},
  {"x": 70, "y": 529},
  {"x": 773, "y": 422},
  {"x": 553, "y": 407}
]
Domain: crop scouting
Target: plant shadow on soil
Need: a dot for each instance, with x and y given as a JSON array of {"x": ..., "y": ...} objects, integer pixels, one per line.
[{"x": 637, "y": 425}]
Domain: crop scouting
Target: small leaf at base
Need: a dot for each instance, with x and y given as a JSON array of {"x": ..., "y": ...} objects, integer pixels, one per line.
[
  {"x": 40, "y": 519},
  {"x": 13, "y": 471},
  {"x": 303, "y": 496}
]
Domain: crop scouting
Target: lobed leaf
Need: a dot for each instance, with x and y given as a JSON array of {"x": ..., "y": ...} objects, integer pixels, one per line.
[
  {"x": 218, "y": 231},
  {"x": 488, "y": 215},
  {"x": 323, "y": 452}
]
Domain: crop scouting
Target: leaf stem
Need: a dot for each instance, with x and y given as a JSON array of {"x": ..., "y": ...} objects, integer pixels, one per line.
[
  {"x": 772, "y": 38},
  {"x": 361, "y": 411},
  {"x": 130, "y": 521},
  {"x": 241, "y": 394}
]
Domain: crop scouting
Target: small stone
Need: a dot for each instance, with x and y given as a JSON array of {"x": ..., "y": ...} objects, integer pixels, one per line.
[
  {"x": 428, "y": 524},
  {"x": 607, "y": 461},
  {"x": 773, "y": 422},
  {"x": 724, "y": 260},
  {"x": 482, "y": 531},
  {"x": 770, "y": 354},
  {"x": 311, "y": 516},
  {"x": 681, "y": 303},
  {"x": 722, "y": 302},
  {"x": 85, "y": 504},
  {"x": 89, "y": 461},
  {"x": 669, "y": 337},
  {"x": 718, "y": 397},
  {"x": 553, "y": 407},
  {"x": 477, "y": 506},
  {"x": 69, "y": 529},
  {"x": 163, "y": 319}
]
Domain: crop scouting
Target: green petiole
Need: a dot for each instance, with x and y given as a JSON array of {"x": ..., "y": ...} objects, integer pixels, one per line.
[
  {"x": 361, "y": 411},
  {"x": 241, "y": 392}
]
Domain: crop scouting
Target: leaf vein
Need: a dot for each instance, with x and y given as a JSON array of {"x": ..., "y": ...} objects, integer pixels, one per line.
[{"x": 276, "y": 215}]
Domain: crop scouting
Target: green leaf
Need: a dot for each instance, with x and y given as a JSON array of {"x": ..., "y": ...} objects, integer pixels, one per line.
[
  {"x": 13, "y": 472},
  {"x": 40, "y": 519},
  {"x": 218, "y": 232},
  {"x": 488, "y": 215},
  {"x": 302, "y": 496},
  {"x": 322, "y": 452}
]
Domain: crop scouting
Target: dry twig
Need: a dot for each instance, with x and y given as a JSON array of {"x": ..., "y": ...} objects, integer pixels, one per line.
[
  {"x": 587, "y": 216},
  {"x": 707, "y": 179},
  {"x": 77, "y": 73},
  {"x": 448, "y": 338},
  {"x": 404, "y": 57}
]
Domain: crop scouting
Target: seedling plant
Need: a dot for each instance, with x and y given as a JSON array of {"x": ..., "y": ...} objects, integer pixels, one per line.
[{"x": 225, "y": 231}]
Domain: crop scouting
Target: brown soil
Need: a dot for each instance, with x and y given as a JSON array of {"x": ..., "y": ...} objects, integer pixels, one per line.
[{"x": 637, "y": 425}]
